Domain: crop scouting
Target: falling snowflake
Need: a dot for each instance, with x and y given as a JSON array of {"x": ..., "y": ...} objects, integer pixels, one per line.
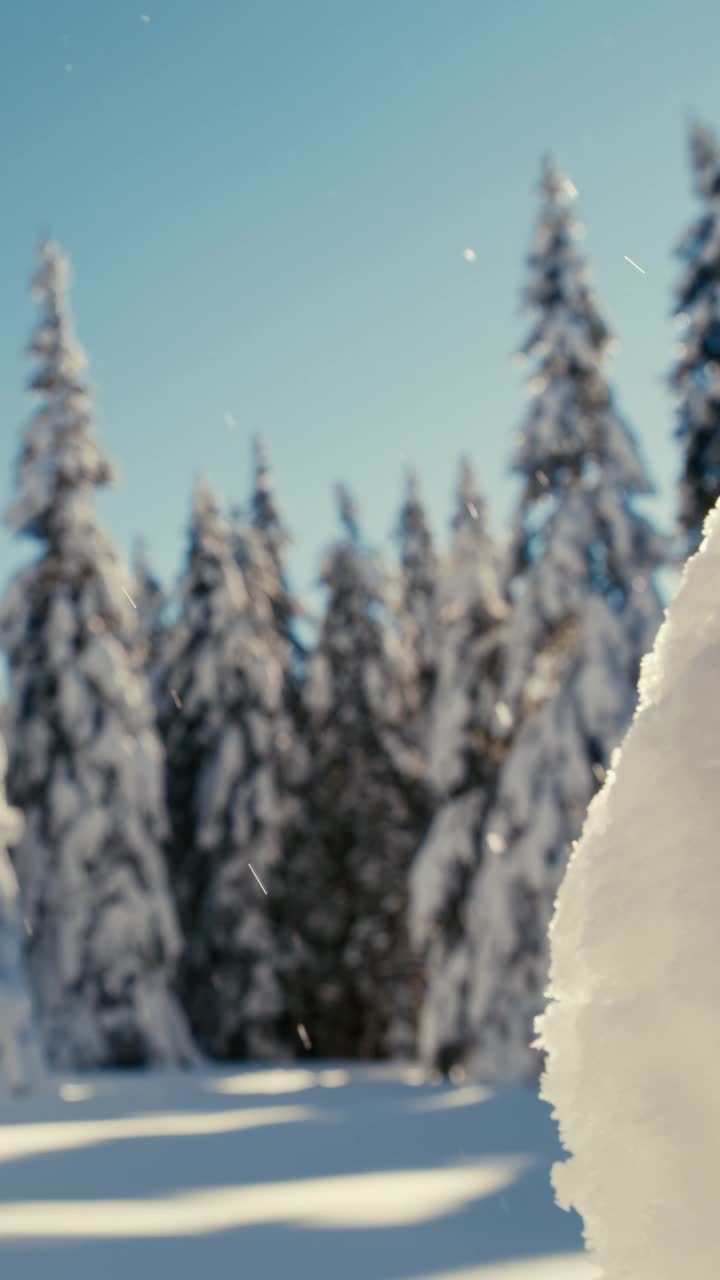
[
  {"x": 304, "y": 1037},
  {"x": 469, "y": 255},
  {"x": 262, "y": 886},
  {"x": 68, "y": 66},
  {"x": 635, "y": 265},
  {"x": 229, "y": 420},
  {"x": 127, "y": 593},
  {"x": 144, "y": 17},
  {"x": 176, "y": 699}
]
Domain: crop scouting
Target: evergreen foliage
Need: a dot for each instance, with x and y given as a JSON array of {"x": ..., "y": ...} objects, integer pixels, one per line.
[
  {"x": 357, "y": 984},
  {"x": 696, "y": 375},
  {"x": 585, "y": 610},
  {"x": 226, "y": 730},
  {"x": 85, "y": 760},
  {"x": 467, "y": 746},
  {"x": 22, "y": 1057}
]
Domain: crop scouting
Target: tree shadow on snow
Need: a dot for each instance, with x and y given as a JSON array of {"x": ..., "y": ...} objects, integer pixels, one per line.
[{"x": 324, "y": 1125}]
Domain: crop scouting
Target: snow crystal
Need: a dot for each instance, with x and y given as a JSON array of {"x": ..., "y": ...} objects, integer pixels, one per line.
[{"x": 632, "y": 1030}]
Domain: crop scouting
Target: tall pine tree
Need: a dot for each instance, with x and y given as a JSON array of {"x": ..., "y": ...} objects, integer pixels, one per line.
[
  {"x": 467, "y": 744},
  {"x": 220, "y": 686},
  {"x": 85, "y": 760},
  {"x": 357, "y": 985},
  {"x": 696, "y": 375},
  {"x": 585, "y": 611}
]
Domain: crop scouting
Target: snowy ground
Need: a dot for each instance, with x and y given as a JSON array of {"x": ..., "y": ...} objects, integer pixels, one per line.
[{"x": 330, "y": 1174}]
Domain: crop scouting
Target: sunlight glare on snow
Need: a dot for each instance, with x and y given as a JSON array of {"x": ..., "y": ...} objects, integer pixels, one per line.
[
  {"x": 402, "y": 1197},
  {"x": 560, "y": 1266},
  {"x": 276, "y": 1080},
  {"x": 279, "y": 1080},
  {"x": 20, "y": 1140},
  {"x": 76, "y": 1092}
]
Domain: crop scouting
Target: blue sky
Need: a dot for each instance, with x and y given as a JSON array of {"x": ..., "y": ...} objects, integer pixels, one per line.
[{"x": 267, "y": 201}]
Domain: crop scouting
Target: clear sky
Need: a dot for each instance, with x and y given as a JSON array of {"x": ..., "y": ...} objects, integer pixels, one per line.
[{"x": 266, "y": 203}]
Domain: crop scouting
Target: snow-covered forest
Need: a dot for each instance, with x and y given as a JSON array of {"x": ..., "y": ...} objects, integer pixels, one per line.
[
  {"x": 235, "y": 828},
  {"x": 246, "y": 832}
]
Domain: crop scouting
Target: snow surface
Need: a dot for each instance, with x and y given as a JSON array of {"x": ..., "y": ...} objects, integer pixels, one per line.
[
  {"x": 632, "y": 1030},
  {"x": 368, "y": 1174}
]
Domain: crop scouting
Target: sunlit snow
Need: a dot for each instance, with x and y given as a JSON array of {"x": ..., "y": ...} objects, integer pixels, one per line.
[
  {"x": 632, "y": 1030},
  {"x": 367, "y": 1173}
]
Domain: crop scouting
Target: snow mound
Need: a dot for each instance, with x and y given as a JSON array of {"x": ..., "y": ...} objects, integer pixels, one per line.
[{"x": 632, "y": 1031}]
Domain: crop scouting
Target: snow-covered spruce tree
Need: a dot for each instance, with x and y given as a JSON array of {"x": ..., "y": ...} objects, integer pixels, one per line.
[
  {"x": 85, "y": 760},
  {"x": 418, "y": 597},
  {"x": 357, "y": 985},
  {"x": 220, "y": 689},
  {"x": 261, "y": 543},
  {"x": 585, "y": 610},
  {"x": 22, "y": 1058},
  {"x": 149, "y": 600},
  {"x": 467, "y": 743},
  {"x": 632, "y": 1027},
  {"x": 696, "y": 375}
]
